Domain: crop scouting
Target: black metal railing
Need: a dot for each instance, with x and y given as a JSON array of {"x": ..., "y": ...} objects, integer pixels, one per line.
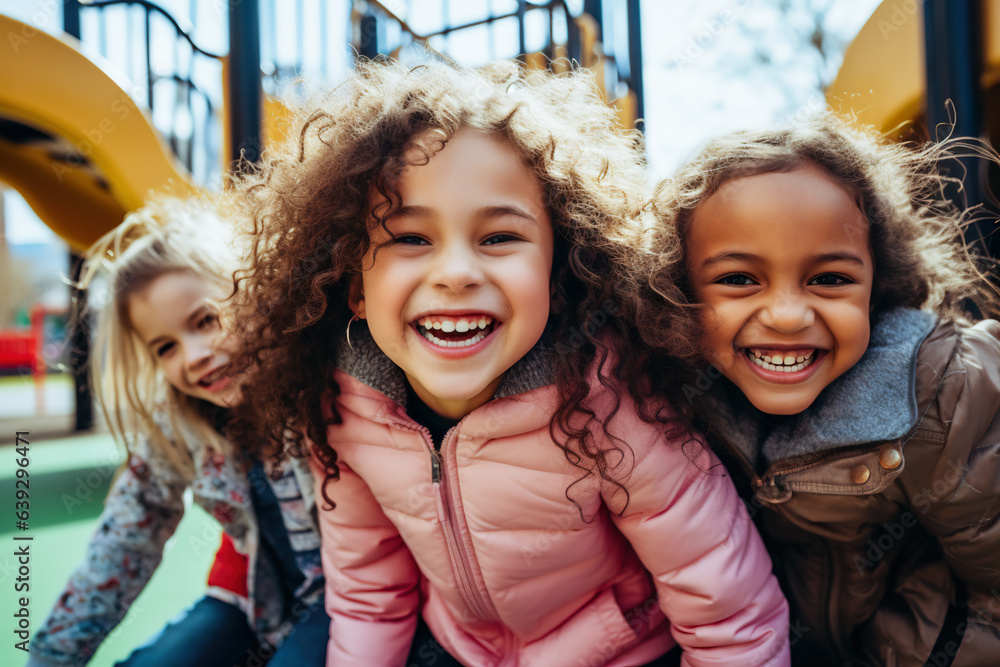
[
  {"x": 177, "y": 80},
  {"x": 593, "y": 33}
]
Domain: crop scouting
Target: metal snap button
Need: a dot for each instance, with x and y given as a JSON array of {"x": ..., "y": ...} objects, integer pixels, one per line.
[
  {"x": 890, "y": 458},
  {"x": 860, "y": 474}
]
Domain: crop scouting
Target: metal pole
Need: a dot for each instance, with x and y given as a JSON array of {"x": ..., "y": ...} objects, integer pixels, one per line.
[
  {"x": 954, "y": 63},
  {"x": 596, "y": 9},
  {"x": 522, "y": 42},
  {"x": 77, "y": 333},
  {"x": 71, "y": 18},
  {"x": 368, "y": 48},
  {"x": 635, "y": 57},
  {"x": 244, "y": 81}
]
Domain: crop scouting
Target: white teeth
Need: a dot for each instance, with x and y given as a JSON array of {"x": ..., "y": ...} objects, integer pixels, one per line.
[
  {"x": 455, "y": 343},
  {"x": 787, "y": 364},
  {"x": 477, "y": 326},
  {"x": 458, "y": 325}
]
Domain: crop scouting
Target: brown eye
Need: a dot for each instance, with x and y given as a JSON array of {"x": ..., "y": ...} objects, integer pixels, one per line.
[
  {"x": 500, "y": 238},
  {"x": 830, "y": 279},
  {"x": 410, "y": 239},
  {"x": 736, "y": 279}
]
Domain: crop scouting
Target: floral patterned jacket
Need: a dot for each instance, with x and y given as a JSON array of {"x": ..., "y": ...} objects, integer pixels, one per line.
[{"x": 142, "y": 511}]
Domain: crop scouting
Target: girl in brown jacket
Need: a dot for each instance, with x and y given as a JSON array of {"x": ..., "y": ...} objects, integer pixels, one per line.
[{"x": 822, "y": 277}]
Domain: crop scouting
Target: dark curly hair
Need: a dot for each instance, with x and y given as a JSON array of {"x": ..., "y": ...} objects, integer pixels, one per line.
[
  {"x": 914, "y": 231},
  {"x": 309, "y": 208}
]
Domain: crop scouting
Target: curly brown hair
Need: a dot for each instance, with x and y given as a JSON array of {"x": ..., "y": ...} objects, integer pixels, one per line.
[
  {"x": 310, "y": 209},
  {"x": 915, "y": 233}
]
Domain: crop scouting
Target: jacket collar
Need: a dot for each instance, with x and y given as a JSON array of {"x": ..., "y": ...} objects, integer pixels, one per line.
[
  {"x": 874, "y": 401},
  {"x": 366, "y": 362}
]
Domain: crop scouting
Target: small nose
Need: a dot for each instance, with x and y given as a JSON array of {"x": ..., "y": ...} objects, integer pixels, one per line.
[
  {"x": 457, "y": 268},
  {"x": 787, "y": 312},
  {"x": 198, "y": 351}
]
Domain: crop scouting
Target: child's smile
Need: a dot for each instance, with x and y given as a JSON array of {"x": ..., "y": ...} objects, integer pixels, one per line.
[
  {"x": 458, "y": 332},
  {"x": 782, "y": 261},
  {"x": 460, "y": 291},
  {"x": 789, "y": 363}
]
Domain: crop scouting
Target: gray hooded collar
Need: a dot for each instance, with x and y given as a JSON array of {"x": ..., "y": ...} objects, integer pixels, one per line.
[
  {"x": 874, "y": 401},
  {"x": 367, "y": 363}
]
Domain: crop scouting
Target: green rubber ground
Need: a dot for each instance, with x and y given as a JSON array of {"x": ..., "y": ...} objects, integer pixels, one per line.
[{"x": 69, "y": 479}]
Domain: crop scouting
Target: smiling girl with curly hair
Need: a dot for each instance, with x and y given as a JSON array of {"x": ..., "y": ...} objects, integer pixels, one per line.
[
  {"x": 823, "y": 275},
  {"x": 436, "y": 302}
]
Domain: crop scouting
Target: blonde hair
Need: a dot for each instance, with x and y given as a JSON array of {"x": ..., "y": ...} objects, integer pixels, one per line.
[{"x": 166, "y": 235}]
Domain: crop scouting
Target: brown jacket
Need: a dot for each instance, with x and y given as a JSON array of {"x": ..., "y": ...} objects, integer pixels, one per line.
[{"x": 880, "y": 504}]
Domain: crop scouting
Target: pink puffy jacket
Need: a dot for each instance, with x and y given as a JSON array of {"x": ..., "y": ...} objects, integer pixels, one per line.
[{"x": 483, "y": 540}]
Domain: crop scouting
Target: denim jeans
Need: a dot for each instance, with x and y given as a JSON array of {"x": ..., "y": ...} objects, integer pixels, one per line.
[{"x": 213, "y": 633}]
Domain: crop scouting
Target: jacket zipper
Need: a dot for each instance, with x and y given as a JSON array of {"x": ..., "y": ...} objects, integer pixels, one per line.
[
  {"x": 460, "y": 556},
  {"x": 461, "y": 560}
]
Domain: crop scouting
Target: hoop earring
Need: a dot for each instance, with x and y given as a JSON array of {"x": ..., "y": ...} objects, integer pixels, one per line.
[{"x": 349, "y": 331}]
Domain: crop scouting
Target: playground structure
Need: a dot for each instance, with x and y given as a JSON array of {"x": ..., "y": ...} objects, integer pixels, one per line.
[
  {"x": 927, "y": 70},
  {"x": 68, "y": 129},
  {"x": 80, "y": 147},
  {"x": 79, "y": 144},
  {"x": 72, "y": 142}
]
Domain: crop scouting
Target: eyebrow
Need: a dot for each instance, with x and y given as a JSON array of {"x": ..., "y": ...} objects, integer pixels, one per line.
[
  {"x": 485, "y": 212},
  {"x": 756, "y": 259},
  {"x": 500, "y": 211}
]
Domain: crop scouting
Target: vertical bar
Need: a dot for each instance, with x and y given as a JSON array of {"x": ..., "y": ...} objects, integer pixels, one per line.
[
  {"x": 522, "y": 43},
  {"x": 596, "y": 9},
  {"x": 635, "y": 57},
  {"x": 79, "y": 349},
  {"x": 953, "y": 67},
  {"x": 550, "y": 50},
  {"x": 78, "y": 342},
  {"x": 149, "y": 61},
  {"x": 244, "y": 80},
  {"x": 573, "y": 45},
  {"x": 71, "y": 18},
  {"x": 369, "y": 36}
]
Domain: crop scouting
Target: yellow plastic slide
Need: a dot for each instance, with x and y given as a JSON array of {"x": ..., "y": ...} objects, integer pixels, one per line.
[
  {"x": 72, "y": 142},
  {"x": 882, "y": 78}
]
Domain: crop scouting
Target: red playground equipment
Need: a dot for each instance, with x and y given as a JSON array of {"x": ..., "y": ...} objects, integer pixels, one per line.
[{"x": 22, "y": 349}]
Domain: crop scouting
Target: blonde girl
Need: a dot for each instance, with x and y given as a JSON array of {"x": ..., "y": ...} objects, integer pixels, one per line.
[
  {"x": 161, "y": 369},
  {"x": 437, "y": 300}
]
